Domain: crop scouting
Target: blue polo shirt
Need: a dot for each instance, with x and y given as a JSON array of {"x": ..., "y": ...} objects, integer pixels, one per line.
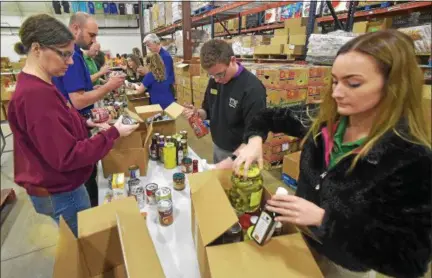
[
  {"x": 169, "y": 65},
  {"x": 160, "y": 92},
  {"x": 76, "y": 78}
]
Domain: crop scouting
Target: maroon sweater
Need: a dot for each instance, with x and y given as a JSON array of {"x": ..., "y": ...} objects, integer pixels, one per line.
[{"x": 51, "y": 145}]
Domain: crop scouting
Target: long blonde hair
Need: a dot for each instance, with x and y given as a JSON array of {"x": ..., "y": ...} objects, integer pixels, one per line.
[
  {"x": 156, "y": 66},
  {"x": 395, "y": 54}
]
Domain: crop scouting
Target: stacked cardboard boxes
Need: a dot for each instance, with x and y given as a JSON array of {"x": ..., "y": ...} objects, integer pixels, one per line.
[
  {"x": 277, "y": 146},
  {"x": 199, "y": 86},
  {"x": 154, "y": 16},
  {"x": 183, "y": 74},
  {"x": 291, "y": 169},
  {"x": 176, "y": 10},
  {"x": 168, "y": 13},
  {"x": 161, "y": 17}
]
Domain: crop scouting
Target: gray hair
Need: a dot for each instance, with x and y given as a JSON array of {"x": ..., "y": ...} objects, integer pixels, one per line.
[
  {"x": 153, "y": 38},
  {"x": 79, "y": 18}
]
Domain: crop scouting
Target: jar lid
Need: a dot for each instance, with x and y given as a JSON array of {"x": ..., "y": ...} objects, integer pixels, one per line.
[
  {"x": 169, "y": 145},
  {"x": 252, "y": 172},
  {"x": 187, "y": 160},
  {"x": 254, "y": 219},
  {"x": 179, "y": 176}
]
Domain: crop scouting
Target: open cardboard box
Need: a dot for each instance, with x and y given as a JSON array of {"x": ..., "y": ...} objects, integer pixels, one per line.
[
  {"x": 212, "y": 215},
  {"x": 136, "y": 100},
  {"x": 113, "y": 241},
  {"x": 166, "y": 127},
  {"x": 127, "y": 151}
]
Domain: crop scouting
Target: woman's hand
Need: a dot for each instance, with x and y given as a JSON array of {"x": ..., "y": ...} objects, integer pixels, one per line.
[
  {"x": 142, "y": 70},
  {"x": 102, "y": 126},
  {"x": 250, "y": 153},
  {"x": 296, "y": 210}
]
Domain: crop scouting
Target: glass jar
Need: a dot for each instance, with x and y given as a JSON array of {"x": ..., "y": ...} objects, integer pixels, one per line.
[{"x": 246, "y": 192}]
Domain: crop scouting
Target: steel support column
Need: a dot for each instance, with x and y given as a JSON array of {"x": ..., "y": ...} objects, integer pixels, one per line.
[
  {"x": 141, "y": 27},
  {"x": 311, "y": 22},
  {"x": 187, "y": 27}
]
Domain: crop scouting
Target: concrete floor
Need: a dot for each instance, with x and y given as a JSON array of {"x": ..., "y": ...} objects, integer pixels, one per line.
[{"x": 28, "y": 240}]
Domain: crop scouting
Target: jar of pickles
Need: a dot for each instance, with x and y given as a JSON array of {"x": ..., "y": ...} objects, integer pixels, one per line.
[{"x": 246, "y": 192}]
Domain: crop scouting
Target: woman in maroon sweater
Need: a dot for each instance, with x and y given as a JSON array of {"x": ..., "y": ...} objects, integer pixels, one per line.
[{"x": 52, "y": 153}]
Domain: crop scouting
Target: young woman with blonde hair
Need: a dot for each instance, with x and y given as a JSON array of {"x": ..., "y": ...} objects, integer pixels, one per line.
[
  {"x": 365, "y": 171},
  {"x": 155, "y": 82}
]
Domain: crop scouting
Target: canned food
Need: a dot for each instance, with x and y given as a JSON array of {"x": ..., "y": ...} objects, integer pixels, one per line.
[
  {"x": 100, "y": 115},
  {"x": 187, "y": 165},
  {"x": 184, "y": 134},
  {"x": 136, "y": 190},
  {"x": 163, "y": 193},
  {"x": 169, "y": 154},
  {"x": 150, "y": 191},
  {"x": 179, "y": 181},
  {"x": 127, "y": 120},
  {"x": 134, "y": 172},
  {"x": 194, "y": 166},
  {"x": 165, "y": 209}
]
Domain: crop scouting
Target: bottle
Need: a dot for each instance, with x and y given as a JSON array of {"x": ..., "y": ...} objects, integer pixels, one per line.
[
  {"x": 168, "y": 139},
  {"x": 180, "y": 154},
  {"x": 161, "y": 147},
  {"x": 184, "y": 147},
  {"x": 154, "y": 149},
  {"x": 266, "y": 224},
  {"x": 198, "y": 126}
]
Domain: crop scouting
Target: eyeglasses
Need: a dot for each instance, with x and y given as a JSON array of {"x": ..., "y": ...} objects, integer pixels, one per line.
[
  {"x": 65, "y": 55},
  {"x": 219, "y": 75}
]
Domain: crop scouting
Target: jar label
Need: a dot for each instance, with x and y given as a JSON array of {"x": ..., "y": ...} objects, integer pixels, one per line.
[{"x": 255, "y": 199}]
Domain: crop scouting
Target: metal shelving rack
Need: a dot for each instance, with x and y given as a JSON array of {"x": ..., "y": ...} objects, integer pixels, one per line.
[{"x": 243, "y": 8}]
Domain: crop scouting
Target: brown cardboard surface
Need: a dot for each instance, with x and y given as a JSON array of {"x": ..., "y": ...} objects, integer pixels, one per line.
[
  {"x": 68, "y": 255},
  {"x": 269, "y": 49},
  {"x": 281, "y": 32},
  {"x": 138, "y": 250},
  {"x": 291, "y": 165},
  {"x": 101, "y": 250},
  {"x": 276, "y": 40},
  {"x": 211, "y": 212},
  {"x": 174, "y": 110},
  {"x": 291, "y": 49},
  {"x": 297, "y": 39},
  {"x": 148, "y": 111},
  {"x": 360, "y": 27},
  {"x": 284, "y": 256}
]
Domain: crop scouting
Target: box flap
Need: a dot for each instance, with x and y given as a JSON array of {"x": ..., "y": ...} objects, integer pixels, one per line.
[
  {"x": 68, "y": 257},
  {"x": 174, "y": 110},
  {"x": 134, "y": 115},
  {"x": 155, "y": 108},
  {"x": 148, "y": 135},
  {"x": 137, "y": 246},
  {"x": 209, "y": 199},
  {"x": 283, "y": 256},
  {"x": 182, "y": 65},
  {"x": 133, "y": 141}
]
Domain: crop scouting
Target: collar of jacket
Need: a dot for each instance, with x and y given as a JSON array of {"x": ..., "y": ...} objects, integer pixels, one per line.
[{"x": 387, "y": 144}]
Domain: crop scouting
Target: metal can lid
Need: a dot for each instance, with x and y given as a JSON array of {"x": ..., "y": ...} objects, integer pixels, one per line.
[
  {"x": 163, "y": 191},
  {"x": 151, "y": 186}
]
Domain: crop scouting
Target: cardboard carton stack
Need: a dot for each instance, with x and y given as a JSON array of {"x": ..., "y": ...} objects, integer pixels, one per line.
[
  {"x": 176, "y": 10},
  {"x": 283, "y": 256},
  {"x": 168, "y": 13},
  {"x": 291, "y": 169},
  {"x": 161, "y": 17},
  {"x": 277, "y": 146},
  {"x": 199, "y": 86},
  {"x": 154, "y": 16},
  {"x": 147, "y": 21},
  {"x": 183, "y": 74}
]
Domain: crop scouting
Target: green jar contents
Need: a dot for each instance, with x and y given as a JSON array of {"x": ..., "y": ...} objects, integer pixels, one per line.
[
  {"x": 179, "y": 181},
  {"x": 246, "y": 192}
]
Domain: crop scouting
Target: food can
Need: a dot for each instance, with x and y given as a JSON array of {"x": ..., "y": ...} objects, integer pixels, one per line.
[
  {"x": 194, "y": 166},
  {"x": 169, "y": 154},
  {"x": 150, "y": 191},
  {"x": 184, "y": 134},
  {"x": 187, "y": 165},
  {"x": 163, "y": 193},
  {"x": 136, "y": 190},
  {"x": 134, "y": 172},
  {"x": 179, "y": 181},
  {"x": 165, "y": 209},
  {"x": 234, "y": 234},
  {"x": 100, "y": 115}
]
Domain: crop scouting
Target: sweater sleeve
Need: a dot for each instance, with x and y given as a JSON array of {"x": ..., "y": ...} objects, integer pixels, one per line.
[
  {"x": 278, "y": 120},
  {"x": 392, "y": 235},
  {"x": 63, "y": 151}
]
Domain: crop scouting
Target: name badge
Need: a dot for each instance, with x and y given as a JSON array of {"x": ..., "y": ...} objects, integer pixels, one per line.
[{"x": 213, "y": 91}]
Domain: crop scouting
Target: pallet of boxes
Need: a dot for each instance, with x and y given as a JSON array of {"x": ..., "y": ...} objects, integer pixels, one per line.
[
  {"x": 289, "y": 41},
  {"x": 184, "y": 76}
]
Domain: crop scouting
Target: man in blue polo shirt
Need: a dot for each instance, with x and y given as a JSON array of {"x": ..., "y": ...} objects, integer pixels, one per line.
[
  {"x": 152, "y": 42},
  {"x": 76, "y": 84}
]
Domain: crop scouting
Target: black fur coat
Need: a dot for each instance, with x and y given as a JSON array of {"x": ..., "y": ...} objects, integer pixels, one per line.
[{"x": 378, "y": 216}]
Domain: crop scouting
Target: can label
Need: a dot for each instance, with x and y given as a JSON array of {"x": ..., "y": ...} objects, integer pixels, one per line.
[
  {"x": 150, "y": 191},
  {"x": 169, "y": 153},
  {"x": 165, "y": 210},
  {"x": 134, "y": 173}
]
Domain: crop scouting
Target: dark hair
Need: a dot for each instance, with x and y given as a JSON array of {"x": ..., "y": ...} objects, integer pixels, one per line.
[
  {"x": 124, "y": 55},
  {"x": 99, "y": 59},
  {"x": 215, "y": 52},
  {"x": 43, "y": 29},
  {"x": 134, "y": 58}
]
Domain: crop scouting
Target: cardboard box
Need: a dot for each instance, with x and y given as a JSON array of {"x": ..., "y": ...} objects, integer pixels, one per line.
[
  {"x": 277, "y": 40},
  {"x": 291, "y": 49},
  {"x": 269, "y": 49},
  {"x": 279, "y": 143},
  {"x": 291, "y": 165},
  {"x": 148, "y": 111},
  {"x": 113, "y": 242},
  {"x": 167, "y": 127},
  {"x": 296, "y": 26},
  {"x": 127, "y": 151},
  {"x": 212, "y": 215},
  {"x": 281, "y": 32},
  {"x": 294, "y": 77},
  {"x": 316, "y": 93},
  {"x": 274, "y": 96},
  {"x": 297, "y": 39},
  {"x": 378, "y": 25},
  {"x": 136, "y": 100},
  {"x": 294, "y": 95},
  {"x": 360, "y": 27},
  {"x": 188, "y": 96}
]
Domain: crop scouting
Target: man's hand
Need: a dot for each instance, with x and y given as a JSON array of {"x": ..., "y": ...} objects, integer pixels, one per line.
[
  {"x": 189, "y": 111},
  {"x": 104, "y": 70},
  {"x": 115, "y": 82}
]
